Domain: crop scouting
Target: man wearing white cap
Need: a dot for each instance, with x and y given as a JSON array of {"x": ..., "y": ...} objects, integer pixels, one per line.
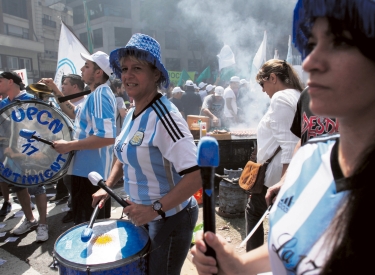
[
  {"x": 191, "y": 101},
  {"x": 94, "y": 135},
  {"x": 177, "y": 93},
  {"x": 213, "y": 106},
  {"x": 230, "y": 97},
  {"x": 202, "y": 90}
]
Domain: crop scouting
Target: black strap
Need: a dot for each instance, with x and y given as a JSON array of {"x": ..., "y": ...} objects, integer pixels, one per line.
[
  {"x": 69, "y": 97},
  {"x": 277, "y": 150}
]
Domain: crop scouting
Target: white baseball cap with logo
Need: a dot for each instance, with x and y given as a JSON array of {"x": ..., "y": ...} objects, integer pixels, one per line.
[
  {"x": 219, "y": 91},
  {"x": 189, "y": 83},
  {"x": 177, "y": 90},
  {"x": 234, "y": 79},
  {"x": 101, "y": 59}
]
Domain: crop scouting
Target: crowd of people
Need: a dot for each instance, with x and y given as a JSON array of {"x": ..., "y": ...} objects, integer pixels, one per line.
[{"x": 317, "y": 183}]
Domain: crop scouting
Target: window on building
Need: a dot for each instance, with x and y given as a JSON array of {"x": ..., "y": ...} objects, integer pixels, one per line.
[
  {"x": 149, "y": 32},
  {"x": 194, "y": 64},
  {"x": 117, "y": 8},
  {"x": 172, "y": 40},
  {"x": 16, "y": 31},
  {"x": 173, "y": 64},
  {"x": 78, "y": 15},
  {"x": 97, "y": 38},
  {"x": 84, "y": 40},
  {"x": 194, "y": 44},
  {"x": 12, "y": 63},
  {"x": 47, "y": 21},
  {"x": 15, "y": 7},
  {"x": 122, "y": 36},
  {"x": 25, "y": 63}
]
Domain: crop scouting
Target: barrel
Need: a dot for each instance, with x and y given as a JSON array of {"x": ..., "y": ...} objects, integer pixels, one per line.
[{"x": 232, "y": 199}]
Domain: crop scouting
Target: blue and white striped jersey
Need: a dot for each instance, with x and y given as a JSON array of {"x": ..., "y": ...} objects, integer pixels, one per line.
[
  {"x": 156, "y": 148},
  {"x": 95, "y": 116},
  {"x": 23, "y": 95},
  {"x": 309, "y": 199}
]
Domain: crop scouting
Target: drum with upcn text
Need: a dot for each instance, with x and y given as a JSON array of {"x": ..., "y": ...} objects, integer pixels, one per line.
[
  {"x": 29, "y": 162},
  {"x": 115, "y": 247}
]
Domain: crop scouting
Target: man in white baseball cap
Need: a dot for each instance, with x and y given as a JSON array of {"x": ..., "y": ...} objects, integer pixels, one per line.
[
  {"x": 94, "y": 135},
  {"x": 213, "y": 106},
  {"x": 177, "y": 93},
  {"x": 230, "y": 97}
]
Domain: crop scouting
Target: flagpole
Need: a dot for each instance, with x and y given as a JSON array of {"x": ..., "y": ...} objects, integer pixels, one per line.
[{"x": 88, "y": 27}]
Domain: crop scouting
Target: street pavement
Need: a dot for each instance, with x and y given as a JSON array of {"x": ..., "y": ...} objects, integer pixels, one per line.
[{"x": 26, "y": 256}]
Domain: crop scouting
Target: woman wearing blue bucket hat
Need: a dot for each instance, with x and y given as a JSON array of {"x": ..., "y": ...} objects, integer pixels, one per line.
[
  {"x": 318, "y": 220},
  {"x": 156, "y": 157}
]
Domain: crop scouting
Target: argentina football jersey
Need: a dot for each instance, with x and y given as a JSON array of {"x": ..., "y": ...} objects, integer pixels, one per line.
[
  {"x": 156, "y": 149},
  {"x": 297, "y": 241}
]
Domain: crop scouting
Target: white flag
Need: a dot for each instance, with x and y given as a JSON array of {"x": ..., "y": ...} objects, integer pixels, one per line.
[
  {"x": 276, "y": 56},
  {"x": 289, "y": 57},
  {"x": 226, "y": 57},
  {"x": 69, "y": 56},
  {"x": 258, "y": 61}
]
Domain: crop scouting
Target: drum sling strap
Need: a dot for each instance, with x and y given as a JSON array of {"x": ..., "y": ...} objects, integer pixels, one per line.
[{"x": 69, "y": 97}]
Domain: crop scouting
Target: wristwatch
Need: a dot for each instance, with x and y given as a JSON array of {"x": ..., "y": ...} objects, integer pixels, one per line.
[{"x": 158, "y": 207}]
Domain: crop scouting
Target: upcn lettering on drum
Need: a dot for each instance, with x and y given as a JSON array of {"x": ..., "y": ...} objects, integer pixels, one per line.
[
  {"x": 54, "y": 168},
  {"x": 42, "y": 116}
]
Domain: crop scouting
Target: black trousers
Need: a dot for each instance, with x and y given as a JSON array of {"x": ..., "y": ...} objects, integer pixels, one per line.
[
  {"x": 255, "y": 208},
  {"x": 82, "y": 191}
]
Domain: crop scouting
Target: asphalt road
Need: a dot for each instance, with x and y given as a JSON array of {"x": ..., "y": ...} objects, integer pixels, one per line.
[{"x": 26, "y": 256}]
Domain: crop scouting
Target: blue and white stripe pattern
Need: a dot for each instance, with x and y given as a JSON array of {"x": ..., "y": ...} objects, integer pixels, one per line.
[
  {"x": 22, "y": 96},
  {"x": 95, "y": 116},
  {"x": 310, "y": 199},
  {"x": 157, "y": 149}
]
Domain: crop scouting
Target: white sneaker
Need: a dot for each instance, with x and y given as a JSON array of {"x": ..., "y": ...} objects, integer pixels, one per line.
[
  {"x": 42, "y": 233},
  {"x": 24, "y": 226}
]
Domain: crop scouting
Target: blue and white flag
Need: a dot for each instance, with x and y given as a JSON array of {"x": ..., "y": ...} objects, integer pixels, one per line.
[{"x": 69, "y": 56}]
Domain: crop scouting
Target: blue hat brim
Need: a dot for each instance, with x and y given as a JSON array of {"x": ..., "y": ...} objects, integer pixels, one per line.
[{"x": 116, "y": 55}]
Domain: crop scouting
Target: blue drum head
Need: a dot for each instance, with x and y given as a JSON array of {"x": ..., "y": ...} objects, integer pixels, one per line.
[{"x": 113, "y": 243}]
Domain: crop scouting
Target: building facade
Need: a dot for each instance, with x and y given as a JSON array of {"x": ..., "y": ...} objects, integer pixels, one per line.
[
  {"x": 30, "y": 32},
  {"x": 29, "y": 36}
]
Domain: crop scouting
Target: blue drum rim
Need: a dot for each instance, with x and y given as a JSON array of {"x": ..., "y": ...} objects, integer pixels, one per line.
[
  {"x": 104, "y": 266},
  {"x": 67, "y": 120}
]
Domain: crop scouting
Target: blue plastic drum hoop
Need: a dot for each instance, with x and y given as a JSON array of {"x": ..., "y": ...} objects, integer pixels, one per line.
[
  {"x": 28, "y": 162},
  {"x": 115, "y": 247}
]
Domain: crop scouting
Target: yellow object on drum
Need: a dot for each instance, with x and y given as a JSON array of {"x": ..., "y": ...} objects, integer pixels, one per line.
[
  {"x": 40, "y": 90},
  {"x": 28, "y": 162},
  {"x": 116, "y": 247}
]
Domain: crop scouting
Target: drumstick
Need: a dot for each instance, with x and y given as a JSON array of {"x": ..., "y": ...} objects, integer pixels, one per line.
[
  {"x": 28, "y": 134},
  {"x": 208, "y": 159},
  {"x": 256, "y": 226},
  {"x": 86, "y": 234},
  {"x": 97, "y": 179}
]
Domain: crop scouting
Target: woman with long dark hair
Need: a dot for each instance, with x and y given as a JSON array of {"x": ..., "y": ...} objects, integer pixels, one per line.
[{"x": 319, "y": 221}]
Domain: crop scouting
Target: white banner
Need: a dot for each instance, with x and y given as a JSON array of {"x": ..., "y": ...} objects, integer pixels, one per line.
[
  {"x": 289, "y": 56},
  {"x": 69, "y": 56},
  {"x": 258, "y": 61},
  {"x": 23, "y": 74},
  {"x": 226, "y": 57}
]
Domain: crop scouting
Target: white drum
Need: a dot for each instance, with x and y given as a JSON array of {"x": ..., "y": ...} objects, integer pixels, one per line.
[{"x": 28, "y": 162}]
